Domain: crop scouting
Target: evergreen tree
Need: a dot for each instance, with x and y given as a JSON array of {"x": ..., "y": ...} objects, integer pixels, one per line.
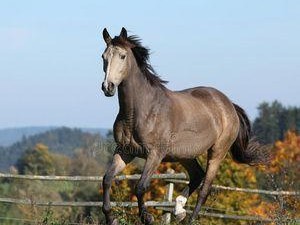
[{"x": 274, "y": 120}]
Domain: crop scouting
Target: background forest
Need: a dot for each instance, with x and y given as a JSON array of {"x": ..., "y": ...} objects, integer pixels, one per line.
[{"x": 65, "y": 151}]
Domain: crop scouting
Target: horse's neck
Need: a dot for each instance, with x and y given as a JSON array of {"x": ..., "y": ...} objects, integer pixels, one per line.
[{"x": 136, "y": 96}]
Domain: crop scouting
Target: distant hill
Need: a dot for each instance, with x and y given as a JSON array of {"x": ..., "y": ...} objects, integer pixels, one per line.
[
  {"x": 9, "y": 136},
  {"x": 62, "y": 140}
]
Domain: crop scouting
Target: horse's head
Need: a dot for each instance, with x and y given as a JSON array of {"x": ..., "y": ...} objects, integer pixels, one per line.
[{"x": 115, "y": 61}]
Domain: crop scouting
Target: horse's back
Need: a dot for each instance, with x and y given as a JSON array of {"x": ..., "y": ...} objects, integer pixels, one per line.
[
  {"x": 205, "y": 94},
  {"x": 209, "y": 98}
]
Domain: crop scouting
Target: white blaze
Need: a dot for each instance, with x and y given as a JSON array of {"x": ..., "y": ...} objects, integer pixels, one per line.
[{"x": 109, "y": 58}]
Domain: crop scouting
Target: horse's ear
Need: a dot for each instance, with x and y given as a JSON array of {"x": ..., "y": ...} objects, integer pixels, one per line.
[
  {"x": 123, "y": 33},
  {"x": 106, "y": 36}
]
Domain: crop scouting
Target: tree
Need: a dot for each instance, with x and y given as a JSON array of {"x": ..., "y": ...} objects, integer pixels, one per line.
[
  {"x": 274, "y": 120},
  {"x": 282, "y": 174},
  {"x": 36, "y": 161},
  {"x": 85, "y": 164}
]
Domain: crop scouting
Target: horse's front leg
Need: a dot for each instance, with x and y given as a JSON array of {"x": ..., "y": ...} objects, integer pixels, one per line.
[
  {"x": 150, "y": 167},
  {"x": 118, "y": 164}
]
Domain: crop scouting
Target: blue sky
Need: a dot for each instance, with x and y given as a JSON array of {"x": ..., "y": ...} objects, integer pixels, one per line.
[{"x": 50, "y": 54}]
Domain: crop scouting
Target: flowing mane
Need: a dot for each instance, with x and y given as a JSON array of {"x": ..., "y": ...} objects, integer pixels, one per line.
[{"x": 141, "y": 55}]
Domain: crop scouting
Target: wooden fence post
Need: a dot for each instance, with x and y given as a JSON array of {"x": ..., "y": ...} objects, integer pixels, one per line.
[{"x": 168, "y": 198}]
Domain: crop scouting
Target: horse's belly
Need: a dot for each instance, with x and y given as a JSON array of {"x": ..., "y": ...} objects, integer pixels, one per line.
[{"x": 189, "y": 144}]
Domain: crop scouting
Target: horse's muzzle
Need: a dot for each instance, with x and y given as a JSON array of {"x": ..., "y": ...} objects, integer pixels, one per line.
[{"x": 109, "y": 90}]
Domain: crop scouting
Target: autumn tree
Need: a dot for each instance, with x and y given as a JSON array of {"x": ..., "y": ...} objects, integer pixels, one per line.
[
  {"x": 36, "y": 161},
  {"x": 282, "y": 174}
]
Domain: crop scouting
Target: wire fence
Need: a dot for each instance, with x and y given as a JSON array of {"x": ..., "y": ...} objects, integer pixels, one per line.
[
  {"x": 167, "y": 205},
  {"x": 172, "y": 178}
]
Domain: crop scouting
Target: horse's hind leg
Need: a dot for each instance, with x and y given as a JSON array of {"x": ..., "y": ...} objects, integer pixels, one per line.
[
  {"x": 118, "y": 164},
  {"x": 196, "y": 175},
  {"x": 215, "y": 156}
]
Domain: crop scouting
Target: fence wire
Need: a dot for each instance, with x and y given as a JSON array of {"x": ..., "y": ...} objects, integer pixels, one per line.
[{"x": 165, "y": 206}]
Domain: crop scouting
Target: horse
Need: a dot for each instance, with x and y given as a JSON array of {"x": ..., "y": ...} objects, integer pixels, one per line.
[{"x": 160, "y": 125}]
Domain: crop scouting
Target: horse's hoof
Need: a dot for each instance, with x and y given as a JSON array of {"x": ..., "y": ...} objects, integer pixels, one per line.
[
  {"x": 180, "y": 216},
  {"x": 147, "y": 218},
  {"x": 179, "y": 211}
]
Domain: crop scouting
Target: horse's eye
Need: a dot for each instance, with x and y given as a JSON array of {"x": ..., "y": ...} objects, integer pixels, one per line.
[{"x": 122, "y": 56}]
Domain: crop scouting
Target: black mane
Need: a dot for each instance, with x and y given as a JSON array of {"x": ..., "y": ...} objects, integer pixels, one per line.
[{"x": 141, "y": 55}]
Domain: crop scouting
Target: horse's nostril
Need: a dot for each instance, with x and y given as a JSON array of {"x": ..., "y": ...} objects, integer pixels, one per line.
[
  {"x": 108, "y": 88},
  {"x": 111, "y": 86}
]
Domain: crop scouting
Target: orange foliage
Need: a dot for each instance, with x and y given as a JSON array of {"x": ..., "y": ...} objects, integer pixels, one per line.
[
  {"x": 286, "y": 152},
  {"x": 284, "y": 171}
]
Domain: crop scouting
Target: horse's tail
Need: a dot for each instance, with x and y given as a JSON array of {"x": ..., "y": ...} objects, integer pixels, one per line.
[{"x": 244, "y": 149}]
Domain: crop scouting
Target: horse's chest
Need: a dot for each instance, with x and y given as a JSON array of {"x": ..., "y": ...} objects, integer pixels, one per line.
[
  {"x": 128, "y": 141},
  {"x": 125, "y": 137}
]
